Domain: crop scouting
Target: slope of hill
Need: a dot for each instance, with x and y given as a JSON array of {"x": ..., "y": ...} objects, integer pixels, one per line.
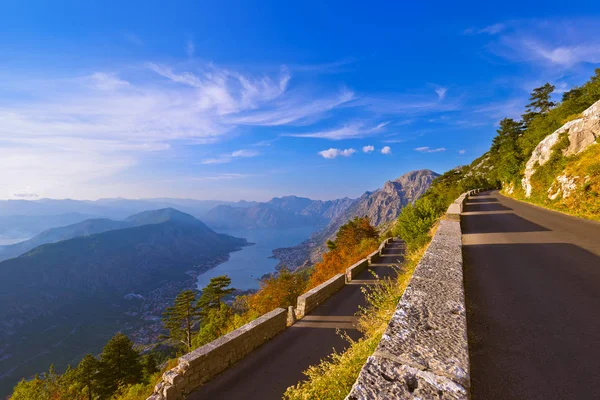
[
  {"x": 22, "y": 227},
  {"x": 381, "y": 206},
  {"x": 551, "y": 157},
  {"x": 279, "y": 212},
  {"x": 79, "y": 291},
  {"x": 23, "y": 219},
  {"x": 83, "y": 228}
]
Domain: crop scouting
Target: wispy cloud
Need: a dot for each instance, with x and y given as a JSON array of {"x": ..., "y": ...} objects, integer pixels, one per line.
[
  {"x": 386, "y": 150},
  {"x": 333, "y": 153},
  {"x": 221, "y": 177},
  {"x": 58, "y": 131},
  {"x": 488, "y": 30},
  {"x": 25, "y": 195},
  {"x": 190, "y": 48},
  {"x": 133, "y": 38},
  {"x": 357, "y": 129},
  {"x": 462, "y": 152},
  {"x": 227, "y": 158},
  {"x": 441, "y": 92},
  {"x": 426, "y": 149},
  {"x": 368, "y": 149},
  {"x": 557, "y": 43}
]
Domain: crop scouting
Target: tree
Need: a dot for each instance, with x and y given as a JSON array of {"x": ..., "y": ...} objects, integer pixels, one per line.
[
  {"x": 539, "y": 103},
  {"x": 211, "y": 296},
  {"x": 215, "y": 324},
  {"x": 86, "y": 375},
  {"x": 182, "y": 319},
  {"x": 119, "y": 365},
  {"x": 280, "y": 290},
  {"x": 505, "y": 150},
  {"x": 149, "y": 364},
  {"x": 354, "y": 240}
]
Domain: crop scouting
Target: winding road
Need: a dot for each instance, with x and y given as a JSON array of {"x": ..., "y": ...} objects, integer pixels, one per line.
[
  {"x": 532, "y": 287},
  {"x": 269, "y": 370}
]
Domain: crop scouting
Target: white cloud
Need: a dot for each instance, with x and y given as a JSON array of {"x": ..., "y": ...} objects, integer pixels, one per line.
[
  {"x": 426, "y": 149},
  {"x": 556, "y": 44},
  {"x": 462, "y": 151},
  {"x": 368, "y": 149},
  {"x": 190, "y": 48},
  {"x": 386, "y": 150},
  {"x": 64, "y": 132},
  {"x": 353, "y": 130},
  {"x": 566, "y": 56},
  {"x": 441, "y": 92},
  {"x": 489, "y": 30},
  {"x": 245, "y": 153},
  {"x": 333, "y": 153},
  {"x": 227, "y": 158}
]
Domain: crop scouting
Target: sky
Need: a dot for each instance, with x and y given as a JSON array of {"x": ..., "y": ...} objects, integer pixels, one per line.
[{"x": 249, "y": 100}]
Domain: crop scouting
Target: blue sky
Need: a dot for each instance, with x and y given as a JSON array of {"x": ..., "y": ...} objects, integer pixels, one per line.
[{"x": 250, "y": 100}]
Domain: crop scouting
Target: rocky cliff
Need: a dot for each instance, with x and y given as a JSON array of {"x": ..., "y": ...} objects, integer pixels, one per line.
[
  {"x": 581, "y": 133},
  {"x": 279, "y": 212},
  {"x": 381, "y": 206}
]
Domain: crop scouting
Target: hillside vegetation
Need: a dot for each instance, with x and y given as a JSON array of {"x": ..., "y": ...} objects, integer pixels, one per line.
[
  {"x": 549, "y": 156},
  {"x": 82, "y": 290}
]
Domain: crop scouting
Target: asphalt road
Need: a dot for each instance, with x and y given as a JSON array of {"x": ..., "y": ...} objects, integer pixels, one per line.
[
  {"x": 269, "y": 370},
  {"x": 532, "y": 287}
]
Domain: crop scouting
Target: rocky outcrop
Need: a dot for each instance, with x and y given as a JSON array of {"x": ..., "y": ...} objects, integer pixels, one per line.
[
  {"x": 381, "y": 206},
  {"x": 582, "y": 133}
]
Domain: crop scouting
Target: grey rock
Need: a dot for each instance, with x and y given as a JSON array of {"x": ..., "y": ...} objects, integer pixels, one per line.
[{"x": 582, "y": 132}]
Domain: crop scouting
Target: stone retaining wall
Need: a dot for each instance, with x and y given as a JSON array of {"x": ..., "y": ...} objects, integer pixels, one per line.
[
  {"x": 202, "y": 364},
  {"x": 311, "y": 299},
  {"x": 196, "y": 368},
  {"x": 356, "y": 269},
  {"x": 423, "y": 353}
]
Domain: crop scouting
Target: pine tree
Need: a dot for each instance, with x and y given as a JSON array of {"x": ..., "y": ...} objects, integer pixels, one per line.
[
  {"x": 86, "y": 375},
  {"x": 540, "y": 103},
  {"x": 211, "y": 296},
  {"x": 119, "y": 365},
  {"x": 149, "y": 364},
  {"x": 182, "y": 319}
]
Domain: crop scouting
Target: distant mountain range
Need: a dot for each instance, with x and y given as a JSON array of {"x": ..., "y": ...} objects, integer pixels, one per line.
[
  {"x": 83, "y": 282},
  {"x": 280, "y": 212},
  {"x": 26, "y": 218},
  {"x": 381, "y": 206}
]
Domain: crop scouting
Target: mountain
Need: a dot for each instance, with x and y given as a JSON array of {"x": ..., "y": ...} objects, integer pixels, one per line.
[
  {"x": 279, "y": 212},
  {"x": 23, "y": 219},
  {"x": 83, "y": 228},
  {"x": 381, "y": 206},
  {"x": 80, "y": 291},
  {"x": 21, "y": 227}
]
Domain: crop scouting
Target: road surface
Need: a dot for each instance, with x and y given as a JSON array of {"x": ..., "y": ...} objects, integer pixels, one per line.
[
  {"x": 532, "y": 287},
  {"x": 269, "y": 370}
]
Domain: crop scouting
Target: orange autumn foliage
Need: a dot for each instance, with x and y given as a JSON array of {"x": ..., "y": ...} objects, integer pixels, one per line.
[
  {"x": 277, "y": 291},
  {"x": 354, "y": 241}
]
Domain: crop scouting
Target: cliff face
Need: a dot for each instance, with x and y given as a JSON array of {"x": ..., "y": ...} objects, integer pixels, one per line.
[
  {"x": 582, "y": 133},
  {"x": 381, "y": 206}
]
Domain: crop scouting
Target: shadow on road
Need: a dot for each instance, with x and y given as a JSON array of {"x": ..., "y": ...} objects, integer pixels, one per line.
[
  {"x": 482, "y": 200},
  {"x": 498, "y": 223},
  {"x": 478, "y": 207}
]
